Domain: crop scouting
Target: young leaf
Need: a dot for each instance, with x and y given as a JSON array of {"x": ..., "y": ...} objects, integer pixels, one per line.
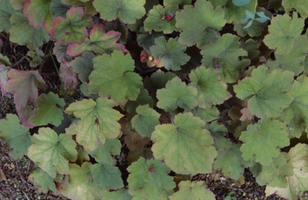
[
  {"x": 23, "y": 33},
  {"x": 68, "y": 76},
  {"x": 127, "y": 10},
  {"x": 72, "y": 28},
  {"x": 107, "y": 176},
  {"x": 189, "y": 145},
  {"x": 60, "y": 52},
  {"x": 192, "y": 191},
  {"x": 299, "y": 5},
  {"x": 231, "y": 162},
  {"x": 176, "y": 94},
  {"x": 38, "y": 13},
  {"x": 3, "y": 78},
  {"x": 16, "y": 135},
  {"x": 82, "y": 185},
  {"x": 157, "y": 19},
  {"x": 42, "y": 180},
  {"x": 49, "y": 111},
  {"x": 225, "y": 53},
  {"x": 282, "y": 32},
  {"x": 100, "y": 42},
  {"x": 234, "y": 13},
  {"x": 98, "y": 122},
  {"x": 145, "y": 120},
  {"x": 210, "y": 90},
  {"x": 266, "y": 92},
  {"x": 113, "y": 77},
  {"x": 170, "y": 53},
  {"x": 6, "y": 11},
  {"x": 83, "y": 65},
  {"x": 263, "y": 140},
  {"x": 102, "y": 153},
  {"x": 296, "y": 114},
  {"x": 149, "y": 180},
  {"x": 52, "y": 152},
  {"x": 298, "y": 182},
  {"x": 200, "y": 23},
  {"x": 23, "y": 84}
]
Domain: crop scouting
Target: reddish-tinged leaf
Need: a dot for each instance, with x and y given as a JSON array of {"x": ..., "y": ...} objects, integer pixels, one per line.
[
  {"x": 75, "y": 23},
  {"x": 69, "y": 77},
  {"x": 23, "y": 84},
  {"x": 100, "y": 42},
  {"x": 24, "y": 114},
  {"x": 60, "y": 52},
  {"x": 38, "y": 13}
]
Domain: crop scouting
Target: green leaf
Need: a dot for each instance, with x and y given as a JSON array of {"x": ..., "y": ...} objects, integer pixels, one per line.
[
  {"x": 58, "y": 9},
  {"x": 240, "y": 2},
  {"x": 218, "y": 132},
  {"x": 234, "y": 13},
  {"x": 282, "y": 32},
  {"x": 6, "y": 11},
  {"x": 262, "y": 141},
  {"x": 72, "y": 28},
  {"x": 225, "y": 54},
  {"x": 17, "y": 136},
  {"x": 192, "y": 191},
  {"x": 49, "y": 111},
  {"x": 107, "y": 176},
  {"x": 42, "y": 180},
  {"x": 293, "y": 61},
  {"x": 117, "y": 195},
  {"x": 296, "y": 114},
  {"x": 145, "y": 120},
  {"x": 98, "y": 122},
  {"x": 100, "y": 42},
  {"x": 299, "y": 5},
  {"x": 231, "y": 162},
  {"x": 23, "y": 33},
  {"x": 206, "y": 115},
  {"x": 266, "y": 92},
  {"x": 298, "y": 182},
  {"x": 142, "y": 99},
  {"x": 17, "y": 4},
  {"x": 184, "y": 145},
  {"x": 52, "y": 152},
  {"x": 210, "y": 90},
  {"x": 150, "y": 180},
  {"x": 176, "y": 94},
  {"x": 127, "y": 10},
  {"x": 170, "y": 53},
  {"x": 102, "y": 153},
  {"x": 83, "y": 65},
  {"x": 113, "y": 77},
  {"x": 38, "y": 13},
  {"x": 200, "y": 23},
  {"x": 82, "y": 185},
  {"x": 146, "y": 39},
  {"x": 3, "y": 78},
  {"x": 157, "y": 19}
]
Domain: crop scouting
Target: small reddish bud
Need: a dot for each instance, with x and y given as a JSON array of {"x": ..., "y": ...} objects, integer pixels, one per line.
[
  {"x": 3, "y": 168},
  {"x": 151, "y": 169},
  {"x": 218, "y": 66},
  {"x": 24, "y": 178},
  {"x": 67, "y": 33},
  {"x": 142, "y": 57},
  {"x": 31, "y": 165},
  {"x": 169, "y": 17},
  {"x": 2, "y": 187},
  {"x": 9, "y": 169}
]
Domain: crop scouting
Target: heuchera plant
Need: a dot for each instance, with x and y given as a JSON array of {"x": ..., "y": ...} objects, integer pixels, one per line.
[{"x": 188, "y": 86}]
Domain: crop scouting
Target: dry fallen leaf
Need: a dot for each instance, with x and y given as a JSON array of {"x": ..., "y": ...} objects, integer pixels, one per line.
[{"x": 2, "y": 176}]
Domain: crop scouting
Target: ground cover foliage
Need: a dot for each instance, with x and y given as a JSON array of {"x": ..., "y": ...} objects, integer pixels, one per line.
[{"x": 189, "y": 87}]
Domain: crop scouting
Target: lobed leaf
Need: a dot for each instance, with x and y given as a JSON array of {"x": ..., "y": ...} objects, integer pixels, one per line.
[
  {"x": 191, "y": 191},
  {"x": 17, "y": 136},
  {"x": 200, "y": 23},
  {"x": 184, "y": 145},
  {"x": 6, "y": 11},
  {"x": 176, "y": 94},
  {"x": 83, "y": 65},
  {"x": 149, "y": 180},
  {"x": 98, "y": 121},
  {"x": 267, "y": 93},
  {"x": 107, "y": 176},
  {"x": 299, "y": 5},
  {"x": 113, "y": 77},
  {"x": 52, "y": 152},
  {"x": 42, "y": 180},
  {"x": 127, "y": 10},
  {"x": 262, "y": 141}
]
